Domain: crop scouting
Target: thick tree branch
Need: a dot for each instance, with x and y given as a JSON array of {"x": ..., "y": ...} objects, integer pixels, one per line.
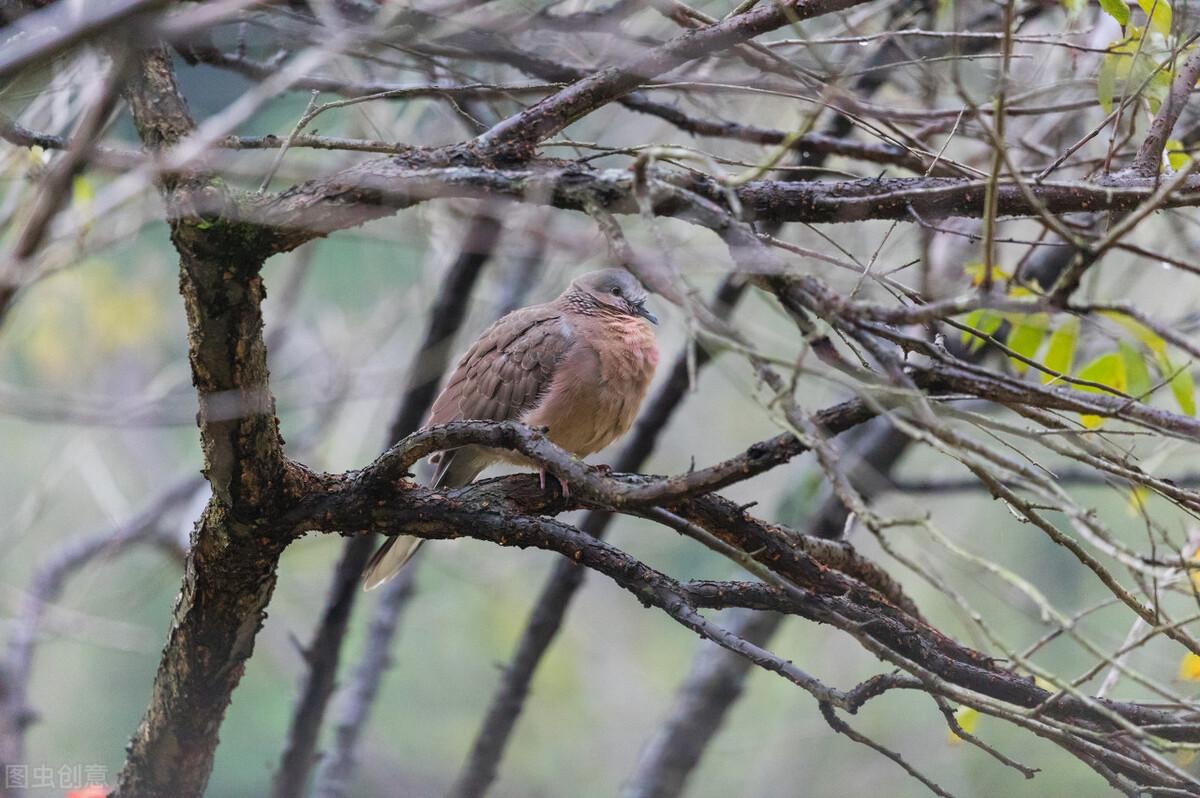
[
  {"x": 586, "y": 482},
  {"x": 1148, "y": 160},
  {"x": 489, "y": 511},
  {"x": 557, "y": 111},
  {"x": 378, "y": 188},
  {"x": 889, "y": 352},
  {"x": 230, "y": 572}
]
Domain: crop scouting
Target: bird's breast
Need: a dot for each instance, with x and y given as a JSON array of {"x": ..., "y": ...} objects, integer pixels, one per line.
[{"x": 597, "y": 391}]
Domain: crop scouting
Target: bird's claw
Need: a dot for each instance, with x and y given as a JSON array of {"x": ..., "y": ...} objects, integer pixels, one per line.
[{"x": 562, "y": 484}]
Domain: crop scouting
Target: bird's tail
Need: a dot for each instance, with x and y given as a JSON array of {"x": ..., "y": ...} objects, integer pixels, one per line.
[
  {"x": 388, "y": 559},
  {"x": 455, "y": 468}
]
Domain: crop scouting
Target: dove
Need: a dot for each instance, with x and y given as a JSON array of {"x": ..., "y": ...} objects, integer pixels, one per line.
[{"x": 579, "y": 366}]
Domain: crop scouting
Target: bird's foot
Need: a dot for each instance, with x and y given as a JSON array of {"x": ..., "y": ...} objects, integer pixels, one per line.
[{"x": 562, "y": 484}]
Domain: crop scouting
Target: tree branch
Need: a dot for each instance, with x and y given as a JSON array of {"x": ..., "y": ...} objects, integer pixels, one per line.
[
  {"x": 230, "y": 573},
  {"x": 378, "y": 188},
  {"x": 1148, "y": 160},
  {"x": 552, "y": 114}
]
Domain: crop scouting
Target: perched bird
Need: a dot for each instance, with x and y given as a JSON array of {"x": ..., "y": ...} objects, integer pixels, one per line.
[{"x": 579, "y": 366}]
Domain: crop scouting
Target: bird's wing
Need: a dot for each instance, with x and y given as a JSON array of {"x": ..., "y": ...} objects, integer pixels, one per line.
[{"x": 504, "y": 374}]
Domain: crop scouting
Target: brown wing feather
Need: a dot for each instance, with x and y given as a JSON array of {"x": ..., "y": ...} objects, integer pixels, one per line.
[
  {"x": 508, "y": 368},
  {"x": 502, "y": 376}
]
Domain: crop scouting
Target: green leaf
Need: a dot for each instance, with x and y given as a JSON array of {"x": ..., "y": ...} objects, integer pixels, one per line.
[
  {"x": 984, "y": 322},
  {"x": 1117, "y": 9},
  {"x": 1184, "y": 389},
  {"x": 1026, "y": 337},
  {"x": 1182, "y": 385},
  {"x": 1158, "y": 89},
  {"x": 1107, "y": 370},
  {"x": 1060, "y": 353},
  {"x": 1136, "y": 373},
  {"x": 1106, "y": 81},
  {"x": 966, "y": 338},
  {"x": 1159, "y": 14},
  {"x": 1132, "y": 65},
  {"x": 1072, "y": 7}
]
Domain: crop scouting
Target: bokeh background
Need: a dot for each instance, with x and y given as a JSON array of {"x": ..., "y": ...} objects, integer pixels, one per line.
[{"x": 97, "y": 419}]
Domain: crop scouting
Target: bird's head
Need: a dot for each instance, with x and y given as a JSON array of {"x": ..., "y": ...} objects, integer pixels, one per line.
[{"x": 613, "y": 291}]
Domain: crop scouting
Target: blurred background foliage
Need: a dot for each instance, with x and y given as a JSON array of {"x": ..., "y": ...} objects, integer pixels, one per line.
[{"x": 97, "y": 417}]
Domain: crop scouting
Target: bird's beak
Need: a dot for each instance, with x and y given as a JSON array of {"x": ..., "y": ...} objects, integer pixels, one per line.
[{"x": 640, "y": 309}]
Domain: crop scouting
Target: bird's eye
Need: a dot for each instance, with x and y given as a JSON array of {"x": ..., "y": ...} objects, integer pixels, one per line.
[{"x": 616, "y": 291}]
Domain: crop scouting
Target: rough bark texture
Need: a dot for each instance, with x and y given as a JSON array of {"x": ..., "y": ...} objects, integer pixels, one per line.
[
  {"x": 228, "y": 584},
  {"x": 230, "y": 570},
  {"x": 379, "y": 188}
]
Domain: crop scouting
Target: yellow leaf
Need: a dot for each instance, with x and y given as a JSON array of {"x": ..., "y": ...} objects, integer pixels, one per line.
[
  {"x": 984, "y": 322},
  {"x": 1060, "y": 352},
  {"x": 967, "y": 719},
  {"x": 1177, "y": 154},
  {"x": 1181, "y": 383},
  {"x": 1108, "y": 370},
  {"x": 1159, "y": 14},
  {"x": 1045, "y": 684},
  {"x": 1189, "y": 668},
  {"x": 976, "y": 271},
  {"x": 1137, "y": 499},
  {"x": 82, "y": 191},
  {"x": 1153, "y": 341},
  {"x": 1026, "y": 337}
]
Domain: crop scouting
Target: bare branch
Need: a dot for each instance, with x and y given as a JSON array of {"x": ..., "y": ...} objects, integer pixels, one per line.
[{"x": 1148, "y": 160}]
